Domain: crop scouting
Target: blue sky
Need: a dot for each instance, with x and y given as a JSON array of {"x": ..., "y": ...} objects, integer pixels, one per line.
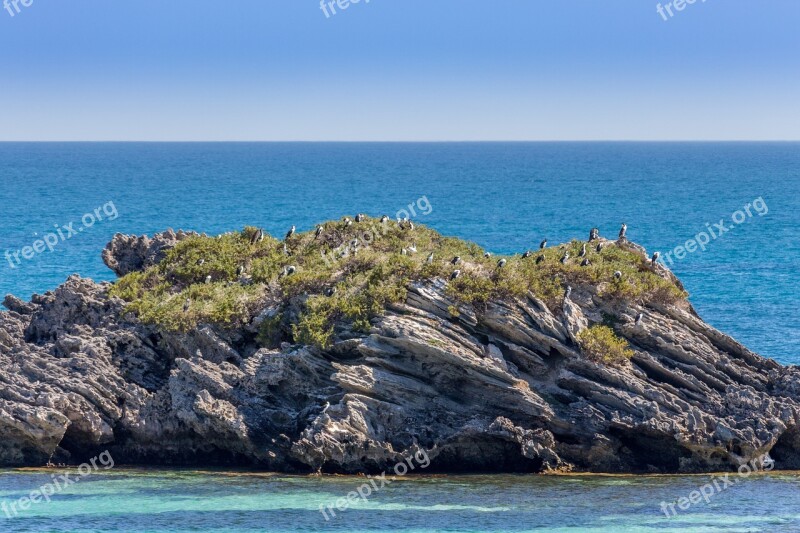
[{"x": 400, "y": 70}]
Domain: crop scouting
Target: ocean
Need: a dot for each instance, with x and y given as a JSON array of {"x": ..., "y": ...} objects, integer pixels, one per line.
[
  {"x": 504, "y": 196},
  {"x": 740, "y": 200},
  {"x": 183, "y": 501}
]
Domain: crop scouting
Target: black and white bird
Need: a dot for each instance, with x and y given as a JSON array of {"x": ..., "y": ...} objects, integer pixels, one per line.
[
  {"x": 617, "y": 275},
  {"x": 594, "y": 234},
  {"x": 258, "y": 236},
  {"x": 286, "y": 250},
  {"x": 330, "y": 291},
  {"x": 327, "y": 406},
  {"x": 583, "y": 251},
  {"x": 456, "y": 260},
  {"x": 543, "y": 244},
  {"x": 413, "y": 248},
  {"x": 456, "y": 273},
  {"x": 208, "y": 279},
  {"x": 565, "y": 258},
  {"x": 384, "y": 219},
  {"x": 360, "y": 217},
  {"x": 317, "y": 233},
  {"x": 527, "y": 254},
  {"x": 404, "y": 251},
  {"x": 540, "y": 259},
  {"x": 568, "y": 292},
  {"x": 186, "y": 305},
  {"x": 501, "y": 263},
  {"x": 289, "y": 270},
  {"x": 239, "y": 271},
  {"x": 290, "y": 232},
  {"x": 201, "y": 262},
  {"x": 585, "y": 262},
  {"x": 655, "y": 257},
  {"x": 429, "y": 260},
  {"x": 639, "y": 319},
  {"x": 623, "y": 230},
  {"x": 599, "y": 247},
  {"x": 347, "y": 221},
  {"x": 487, "y": 255}
]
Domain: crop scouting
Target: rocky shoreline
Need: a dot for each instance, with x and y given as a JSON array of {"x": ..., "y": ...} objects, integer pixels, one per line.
[{"x": 501, "y": 387}]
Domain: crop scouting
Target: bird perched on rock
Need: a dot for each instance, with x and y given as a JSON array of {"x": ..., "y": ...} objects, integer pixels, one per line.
[
  {"x": 360, "y": 217},
  {"x": 585, "y": 262},
  {"x": 429, "y": 260},
  {"x": 623, "y": 230},
  {"x": 456, "y": 260},
  {"x": 327, "y": 406},
  {"x": 413, "y": 248},
  {"x": 186, "y": 305},
  {"x": 501, "y": 263},
  {"x": 639, "y": 319},
  {"x": 594, "y": 234},
  {"x": 384, "y": 219},
  {"x": 527, "y": 254},
  {"x": 239, "y": 271},
  {"x": 330, "y": 291},
  {"x": 565, "y": 258},
  {"x": 568, "y": 292},
  {"x": 258, "y": 236},
  {"x": 655, "y": 257},
  {"x": 201, "y": 262},
  {"x": 543, "y": 244},
  {"x": 317, "y": 233},
  {"x": 289, "y": 270},
  {"x": 487, "y": 255},
  {"x": 290, "y": 232},
  {"x": 583, "y": 251},
  {"x": 404, "y": 252},
  {"x": 347, "y": 221},
  {"x": 540, "y": 259},
  {"x": 208, "y": 278},
  {"x": 617, "y": 275},
  {"x": 456, "y": 273},
  {"x": 599, "y": 247}
]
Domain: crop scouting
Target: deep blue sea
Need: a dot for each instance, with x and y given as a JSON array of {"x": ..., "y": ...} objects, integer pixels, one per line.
[{"x": 505, "y": 196}]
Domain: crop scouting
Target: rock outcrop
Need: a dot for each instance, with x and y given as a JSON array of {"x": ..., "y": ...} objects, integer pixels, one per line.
[{"x": 505, "y": 388}]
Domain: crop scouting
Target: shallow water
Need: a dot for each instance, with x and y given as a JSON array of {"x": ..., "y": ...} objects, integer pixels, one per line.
[
  {"x": 183, "y": 501},
  {"x": 505, "y": 196}
]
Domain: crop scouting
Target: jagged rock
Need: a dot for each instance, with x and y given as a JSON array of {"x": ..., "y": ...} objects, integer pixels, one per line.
[{"x": 504, "y": 388}]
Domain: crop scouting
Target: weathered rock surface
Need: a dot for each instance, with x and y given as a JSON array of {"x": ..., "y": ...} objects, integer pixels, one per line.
[{"x": 504, "y": 389}]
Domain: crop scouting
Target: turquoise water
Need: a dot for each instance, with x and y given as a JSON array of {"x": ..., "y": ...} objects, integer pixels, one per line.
[
  {"x": 173, "y": 501},
  {"x": 505, "y": 196}
]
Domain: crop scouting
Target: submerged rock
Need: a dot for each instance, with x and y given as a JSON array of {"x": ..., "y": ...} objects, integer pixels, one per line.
[{"x": 499, "y": 386}]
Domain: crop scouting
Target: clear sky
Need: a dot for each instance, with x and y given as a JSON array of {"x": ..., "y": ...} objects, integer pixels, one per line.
[{"x": 399, "y": 70}]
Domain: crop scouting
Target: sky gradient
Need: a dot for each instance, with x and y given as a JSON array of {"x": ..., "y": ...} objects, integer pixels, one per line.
[{"x": 400, "y": 70}]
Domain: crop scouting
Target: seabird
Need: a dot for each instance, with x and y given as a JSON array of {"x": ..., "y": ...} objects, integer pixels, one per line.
[
  {"x": 239, "y": 271},
  {"x": 565, "y": 258},
  {"x": 327, "y": 406},
  {"x": 455, "y": 274},
  {"x": 429, "y": 260},
  {"x": 639, "y": 318},
  {"x": 208, "y": 278},
  {"x": 354, "y": 243},
  {"x": 487, "y": 255},
  {"x": 186, "y": 305},
  {"x": 201, "y": 262},
  {"x": 585, "y": 262},
  {"x": 527, "y": 254},
  {"x": 410, "y": 226},
  {"x": 543, "y": 244},
  {"x": 540, "y": 259},
  {"x": 384, "y": 219},
  {"x": 258, "y": 236},
  {"x": 501, "y": 263},
  {"x": 568, "y": 292},
  {"x": 404, "y": 252},
  {"x": 285, "y": 249},
  {"x": 413, "y": 248},
  {"x": 330, "y": 291},
  {"x": 456, "y": 260},
  {"x": 599, "y": 247},
  {"x": 655, "y": 258},
  {"x": 290, "y": 232},
  {"x": 583, "y": 251},
  {"x": 617, "y": 275},
  {"x": 347, "y": 221},
  {"x": 594, "y": 234},
  {"x": 289, "y": 270},
  {"x": 318, "y": 232},
  {"x": 622, "y": 230},
  {"x": 359, "y": 217}
]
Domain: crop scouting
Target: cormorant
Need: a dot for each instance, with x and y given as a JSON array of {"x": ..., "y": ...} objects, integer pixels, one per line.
[
  {"x": 623, "y": 230},
  {"x": 186, "y": 305},
  {"x": 543, "y": 244},
  {"x": 639, "y": 318},
  {"x": 585, "y": 262},
  {"x": 583, "y": 251},
  {"x": 527, "y": 254},
  {"x": 239, "y": 271},
  {"x": 208, "y": 278},
  {"x": 617, "y": 275},
  {"x": 201, "y": 262},
  {"x": 384, "y": 219},
  {"x": 360, "y": 217},
  {"x": 455, "y": 274},
  {"x": 568, "y": 292},
  {"x": 413, "y": 248},
  {"x": 429, "y": 260},
  {"x": 599, "y": 247},
  {"x": 540, "y": 259},
  {"x": 330, "y": 291},
  {"x": 347, "y": 221},
  {"x": 655, "y": 258},
  {"x": 487, "y": 255},
  {"x": 501, "y": 263},
  {"x": 258, "y": 236},
  {"x": 290, "y": 232},
  {"x": 456, "y": 260},
  {"x": 565, "y": 258},
  {"x": 594, "y": 234},
  {"x": 317, "y": 233}
]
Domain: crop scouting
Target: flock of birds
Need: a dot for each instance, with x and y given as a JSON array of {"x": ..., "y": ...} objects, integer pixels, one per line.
[{"x": 405, "y": 223}]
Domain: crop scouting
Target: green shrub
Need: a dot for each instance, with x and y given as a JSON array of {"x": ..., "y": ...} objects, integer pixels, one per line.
[{"x": 600, "y": 344}]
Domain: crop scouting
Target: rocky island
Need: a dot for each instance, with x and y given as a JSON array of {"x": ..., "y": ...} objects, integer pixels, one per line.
[{"x": 347, "y": 348}]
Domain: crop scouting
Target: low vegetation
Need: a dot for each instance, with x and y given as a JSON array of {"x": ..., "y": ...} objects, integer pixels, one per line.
[
  {"x": 346, "y": 276},
  {"x": 599, "y": 343}
]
